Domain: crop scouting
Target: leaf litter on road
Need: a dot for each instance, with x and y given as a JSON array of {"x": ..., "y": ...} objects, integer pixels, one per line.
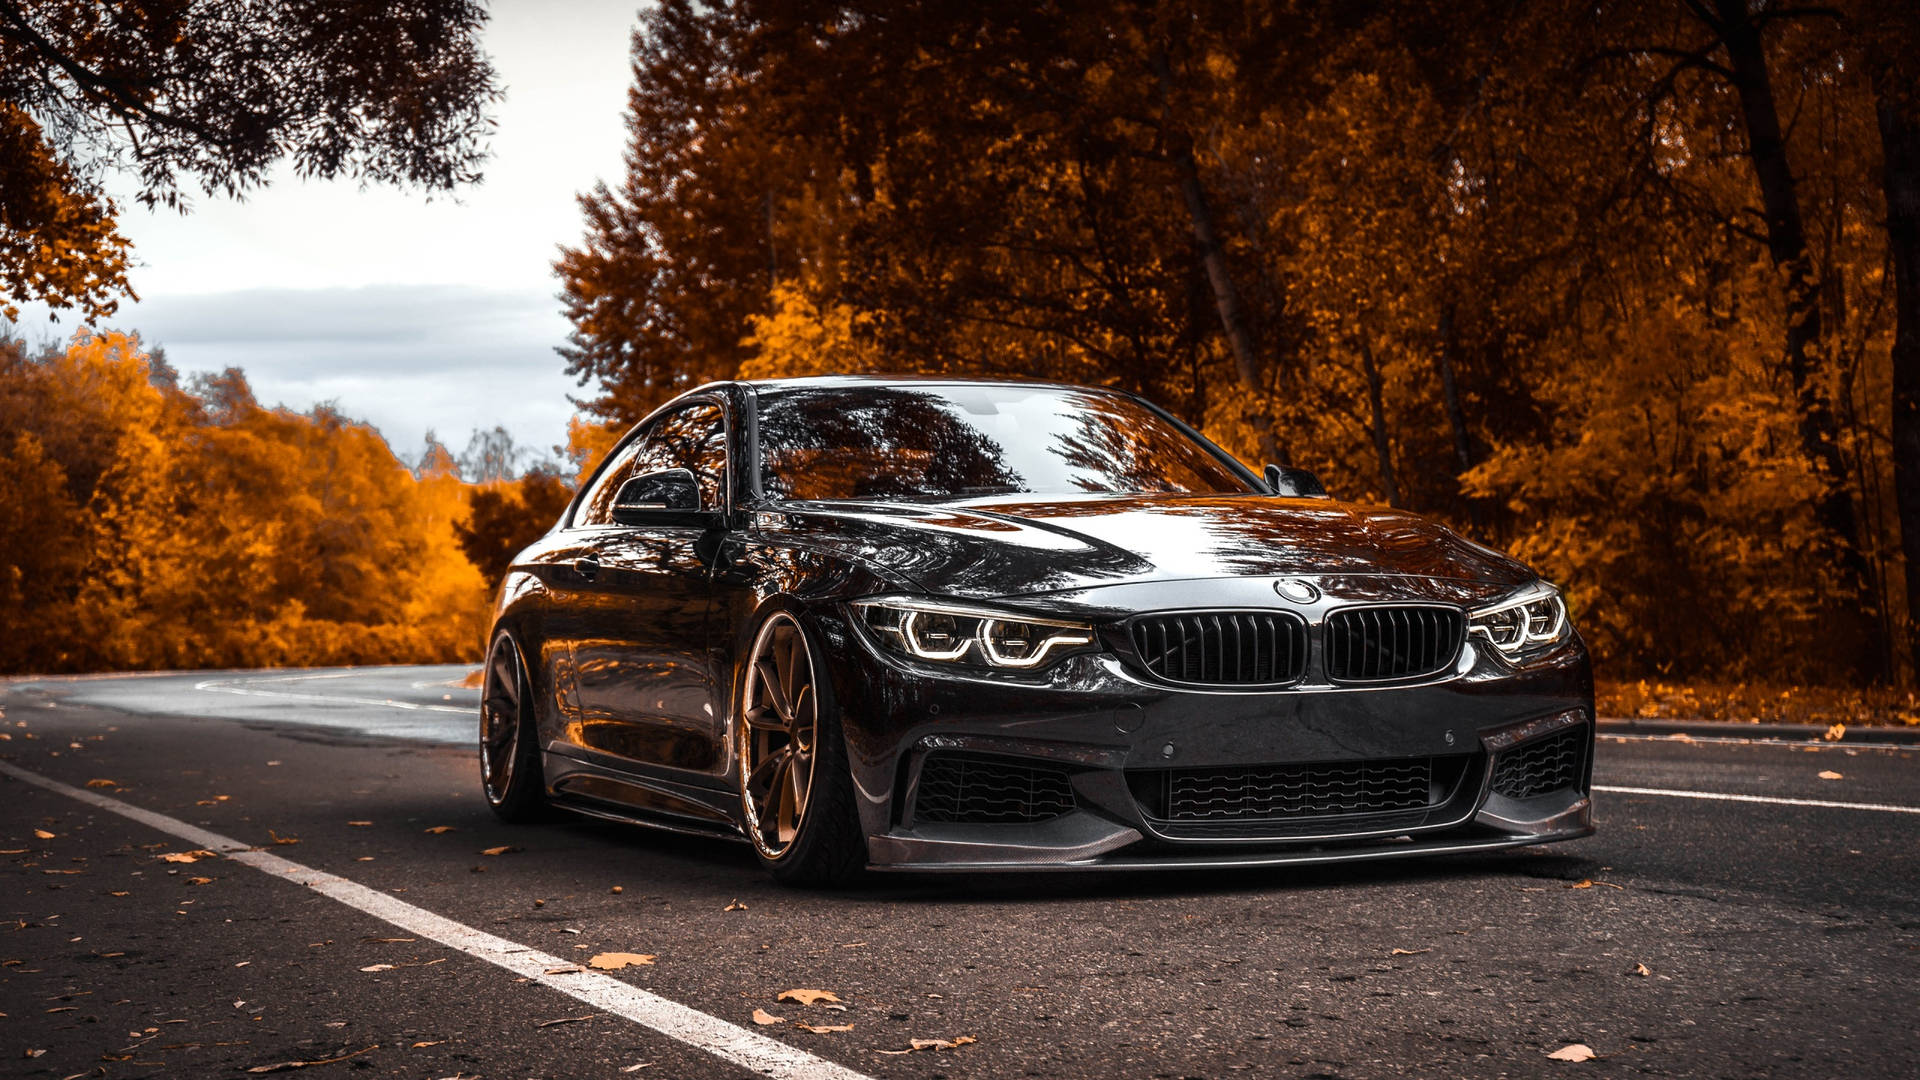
[
  {"x": 763, "y": 1018},
  {"x": 807, "y": 997},
  {"x": 1573, "y": 1052},
  {"x": 614, "y": 961},
  {"x": 932, "y": 1044}
]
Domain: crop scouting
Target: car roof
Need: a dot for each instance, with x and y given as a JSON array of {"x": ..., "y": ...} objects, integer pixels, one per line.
[{"x": 851, "y": 381}]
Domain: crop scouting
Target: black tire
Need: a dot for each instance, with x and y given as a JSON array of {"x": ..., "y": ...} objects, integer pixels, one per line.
[
  {"x": 822, "y": 846},
  {"x": 511, "y": 777}
]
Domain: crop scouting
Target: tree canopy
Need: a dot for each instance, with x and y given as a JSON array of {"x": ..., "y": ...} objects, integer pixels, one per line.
[
  {"x": 1616, "y": 285},
  {"x": 213, "y": 94}
]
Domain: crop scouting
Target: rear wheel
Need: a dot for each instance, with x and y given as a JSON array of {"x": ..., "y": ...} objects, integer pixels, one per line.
[
  {"x": 796, "y": 793},
  {"x": 510, "y": 771}
]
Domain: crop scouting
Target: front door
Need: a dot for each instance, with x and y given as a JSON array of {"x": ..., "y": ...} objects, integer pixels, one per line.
[{"x": 645, "y": 684}]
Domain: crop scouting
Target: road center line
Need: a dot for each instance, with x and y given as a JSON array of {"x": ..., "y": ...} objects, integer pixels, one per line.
[
  {"x": 1774, "y": 800},
  {"x": 217, "y": 686},
  {"x": 751, "y": 1050}
]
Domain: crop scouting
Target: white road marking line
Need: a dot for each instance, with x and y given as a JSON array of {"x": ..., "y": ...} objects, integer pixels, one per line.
[
  {"x": 1732, "y": 740},
  {"x": 1885, "y": 808},
  {"x": 216, "y": 686},
  {"x": 751, "y": 1050}
]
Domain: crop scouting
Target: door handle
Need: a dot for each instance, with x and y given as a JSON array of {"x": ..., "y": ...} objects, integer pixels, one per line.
[{"x": 587, "y": 568}]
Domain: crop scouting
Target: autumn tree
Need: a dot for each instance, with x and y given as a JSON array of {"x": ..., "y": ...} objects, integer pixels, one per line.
[
  {"x": 162, "y": 526},
  {"x": 214, "y": 94},
  {"x": 1543, "y": 270},
  {"x": 505, "y": 516}
]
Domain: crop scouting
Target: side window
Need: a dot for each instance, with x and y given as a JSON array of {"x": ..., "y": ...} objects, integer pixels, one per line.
[
  {"x": 597, "y": 507},
  {"x": 693, "y": 438}
]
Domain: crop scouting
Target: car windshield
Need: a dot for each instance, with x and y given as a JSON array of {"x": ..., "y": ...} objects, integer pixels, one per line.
[{"x": 962, "y": 441}]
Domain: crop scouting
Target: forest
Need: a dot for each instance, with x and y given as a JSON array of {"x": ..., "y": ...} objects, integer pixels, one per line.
[{"x": 1629, "y": 288}]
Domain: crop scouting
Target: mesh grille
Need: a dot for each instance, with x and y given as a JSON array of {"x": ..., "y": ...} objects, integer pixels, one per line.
[
  {"x": 1535, "y": 768},
  {"x": 1291, "y": 791},
  {"x": 1222, "y": 648},
  {"x": 1381, "y": 643},
  {"x": 989, "y": 791}
]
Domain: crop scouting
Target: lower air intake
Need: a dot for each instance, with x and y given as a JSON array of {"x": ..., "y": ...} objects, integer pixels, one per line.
[
  {"x": 976, "y": 790},
  {"x": 1541, "y": 766},
  {"x": 1282, "y": 792}
]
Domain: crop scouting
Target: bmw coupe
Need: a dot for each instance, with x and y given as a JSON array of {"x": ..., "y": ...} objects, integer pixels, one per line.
[{"x": 900, "y": 624}]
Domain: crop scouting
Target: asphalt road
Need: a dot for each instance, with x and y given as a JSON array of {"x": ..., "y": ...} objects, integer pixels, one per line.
[{"x": 1689, "y": 937}]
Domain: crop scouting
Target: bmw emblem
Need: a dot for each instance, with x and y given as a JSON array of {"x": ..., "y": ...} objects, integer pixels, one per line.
[{"x": 1300, "y": 592}]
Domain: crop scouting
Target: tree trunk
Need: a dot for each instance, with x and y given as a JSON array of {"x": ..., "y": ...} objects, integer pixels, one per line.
[
  {"x": 1898, "y": 108},
  {"x": 1787, "y": 244},
  {"x": 1213, "y": 256},
  {"x": 1456, "y": 416},
  {"x": 1382, "y": 446}
]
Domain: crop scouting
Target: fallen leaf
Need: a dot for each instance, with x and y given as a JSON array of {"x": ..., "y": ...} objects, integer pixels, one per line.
[
  {"x": 1835, "y": 732},
  {"x": 1642, "y": 969},
  {"x": 565, "y": 969},
  {"x": 282, "y": 840},
  {"x": 1583, "y": 883},
  {"x": 565, "y": 1020},
  {"x": 103, "y": 783},
  {"x": 423, "y": 1045},
  {"x": 734, "y": 905},
  {"x": 35, "y": 1053},
  {"x": 14, "y": 851},
  {"x": 286, "y": 1065},
  {"x": 438, "y": 829},
  {"x": 617, "y": 890},
  {"x": 187, "y": 856},
  {"x": 1573, "y": 1052},
  {"x": 378, "y": 967},
  {"x": 807, "y": 997},
  {"x": 199, "y": 881},
  {"x": 1829, "y": 774},
  {"x": 931, "y": 1044},
  {"x": 501, "y": 850},
  {"x": 614, "y": 961},
  {"x": 763, "y": 1018},
  {"x": 824, "y": 1029},
  {"x": 1409, "y": 952},
  {"x": 360, "y": 823},
  {"x": 44, "y": 835}
]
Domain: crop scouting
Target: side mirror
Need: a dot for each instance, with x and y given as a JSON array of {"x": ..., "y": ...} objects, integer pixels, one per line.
[
  {"x": 1295, "y": 483},
  {"x": 667, "y": 497}
]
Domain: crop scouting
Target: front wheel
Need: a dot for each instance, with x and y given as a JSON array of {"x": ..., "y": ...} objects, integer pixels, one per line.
[
  {"x": 796, "y": 794},
  {"x": 510, "y": 771}
]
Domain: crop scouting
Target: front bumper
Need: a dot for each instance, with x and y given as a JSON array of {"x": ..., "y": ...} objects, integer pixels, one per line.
[{"x": 1113, "y": 736}]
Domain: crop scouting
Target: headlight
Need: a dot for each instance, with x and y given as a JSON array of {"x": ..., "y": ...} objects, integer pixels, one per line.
[
  {"x": 1529, "y": 621},
  {"x": 959, "y": 634}
]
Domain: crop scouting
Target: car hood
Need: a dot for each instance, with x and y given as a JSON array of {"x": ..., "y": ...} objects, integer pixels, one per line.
[{"x": 1002, "y": 548}]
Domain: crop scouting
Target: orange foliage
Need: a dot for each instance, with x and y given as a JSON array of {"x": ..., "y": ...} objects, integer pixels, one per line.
[{"x": 170, "y": 528}]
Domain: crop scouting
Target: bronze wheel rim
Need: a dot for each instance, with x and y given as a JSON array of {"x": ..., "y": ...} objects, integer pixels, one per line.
[
  {"x": 777, "y": 739},
  {"x": 500, "y": 700}
]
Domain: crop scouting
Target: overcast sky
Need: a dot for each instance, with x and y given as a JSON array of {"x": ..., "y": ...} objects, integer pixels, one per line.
[{"x": 407, "y": 313}]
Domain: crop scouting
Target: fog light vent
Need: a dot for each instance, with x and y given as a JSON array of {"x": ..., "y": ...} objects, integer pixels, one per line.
[
  {"x": 1541, "y": 766},
  {"x": 979, "y": 790}
]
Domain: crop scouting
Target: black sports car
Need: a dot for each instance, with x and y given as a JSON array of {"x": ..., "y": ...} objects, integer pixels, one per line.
[{"x": 946, "y": 625}]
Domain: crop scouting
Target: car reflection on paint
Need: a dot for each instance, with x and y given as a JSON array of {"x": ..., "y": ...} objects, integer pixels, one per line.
[{"x": 871, "y": 623}]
